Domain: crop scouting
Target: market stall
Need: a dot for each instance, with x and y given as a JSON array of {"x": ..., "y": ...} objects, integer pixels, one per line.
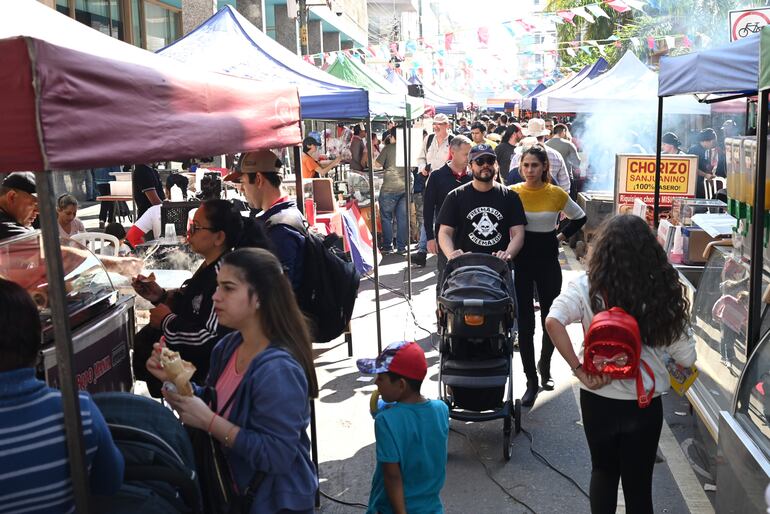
[
  {"x": 629, "y": 86},
  {"x": 229, "y": 44},
  {"x": 587, "y": 73},
  {"x": 730, "y": 299},
  {"x": 74, "y": 98}
]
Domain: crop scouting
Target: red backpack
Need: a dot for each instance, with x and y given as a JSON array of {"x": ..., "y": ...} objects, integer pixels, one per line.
[{"x": 613, "y": 346}]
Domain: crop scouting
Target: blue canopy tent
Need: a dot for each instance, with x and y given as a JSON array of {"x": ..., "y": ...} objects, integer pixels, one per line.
[
  {"x": 228, "y": 43},
  {"x": 537, "y": 90},
  {"x": 589, "y": 72},
  {"x": 727, "y": 70}
]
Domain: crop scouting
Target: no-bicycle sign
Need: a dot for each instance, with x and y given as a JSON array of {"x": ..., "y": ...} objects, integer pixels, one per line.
[{"x": 745, "y": 22}]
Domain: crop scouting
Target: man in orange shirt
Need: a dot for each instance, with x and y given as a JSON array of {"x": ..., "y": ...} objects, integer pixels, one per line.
[{"x": 311, "y": 168}]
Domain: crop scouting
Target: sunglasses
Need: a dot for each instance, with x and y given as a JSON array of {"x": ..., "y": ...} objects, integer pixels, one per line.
[
  {"x": 195, "y": 228},
  {"x": 485, "y": 159}
]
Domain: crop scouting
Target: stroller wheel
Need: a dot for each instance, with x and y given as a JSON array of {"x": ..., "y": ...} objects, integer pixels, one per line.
[
  {"x": 507, "y": 438},
  {"x": 517, "y": 416}
]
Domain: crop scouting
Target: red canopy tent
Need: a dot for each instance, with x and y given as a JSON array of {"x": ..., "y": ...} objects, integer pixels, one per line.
[{"x": 74, "y": 98}]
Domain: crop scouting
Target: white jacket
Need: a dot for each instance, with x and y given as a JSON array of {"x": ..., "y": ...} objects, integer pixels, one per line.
[{"x": 574, "y": 305}]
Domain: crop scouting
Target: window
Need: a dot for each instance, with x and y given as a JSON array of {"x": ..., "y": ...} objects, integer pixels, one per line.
[
  {"x": 102, "y": 15},
  {"x": 161, "y": 26}
]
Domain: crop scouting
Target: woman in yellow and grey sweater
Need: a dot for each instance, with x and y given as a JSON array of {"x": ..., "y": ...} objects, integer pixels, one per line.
[{"x": 538, "y": 261}]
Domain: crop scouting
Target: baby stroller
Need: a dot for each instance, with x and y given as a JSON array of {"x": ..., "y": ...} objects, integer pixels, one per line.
[
  {"x": 477, "y": 322},
  {"x": 160, "y": 476}
]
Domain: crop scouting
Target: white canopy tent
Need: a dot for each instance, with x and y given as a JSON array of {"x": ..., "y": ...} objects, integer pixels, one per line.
[{"x": 629, "y": 86}]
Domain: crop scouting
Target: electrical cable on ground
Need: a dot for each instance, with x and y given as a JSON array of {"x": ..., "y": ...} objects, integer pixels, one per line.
[
  {"x": 349, "y": 504},
  {"x": 545, "y": 461},
  {"x": 489, "y": 473}
]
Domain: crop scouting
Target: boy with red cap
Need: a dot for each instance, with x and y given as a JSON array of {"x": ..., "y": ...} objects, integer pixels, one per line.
[{"x": 411, "y": 435}]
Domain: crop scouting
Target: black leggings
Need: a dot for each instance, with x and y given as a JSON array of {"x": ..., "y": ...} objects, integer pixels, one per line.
[
  {"x": 623, "y": 439},
  {"x": 546, "y": 273}
]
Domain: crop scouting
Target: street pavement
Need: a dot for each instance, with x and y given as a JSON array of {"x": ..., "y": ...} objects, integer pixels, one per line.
[{"x": 478, "y": 479}]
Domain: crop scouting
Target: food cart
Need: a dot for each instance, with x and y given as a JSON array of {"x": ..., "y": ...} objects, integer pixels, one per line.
[
  {"x": 74, "y": 98},
  {"x": 729, "y": 299}
]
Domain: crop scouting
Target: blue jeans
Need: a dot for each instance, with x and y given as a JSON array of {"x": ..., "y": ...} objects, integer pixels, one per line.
[{"x": 391, "y": 203}]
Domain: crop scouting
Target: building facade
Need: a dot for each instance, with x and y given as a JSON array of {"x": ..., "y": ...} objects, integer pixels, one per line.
[{"x": 154, "y": 24}]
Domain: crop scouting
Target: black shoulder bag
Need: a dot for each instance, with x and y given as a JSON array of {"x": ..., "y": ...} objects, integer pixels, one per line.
[{"x": 214, "y": 476}]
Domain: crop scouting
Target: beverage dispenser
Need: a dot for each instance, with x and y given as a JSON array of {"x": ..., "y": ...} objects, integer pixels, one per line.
[{"x": 733, "y": 162}]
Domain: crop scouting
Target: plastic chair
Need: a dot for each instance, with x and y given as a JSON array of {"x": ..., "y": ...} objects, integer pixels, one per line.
[
  {"x": 98, "y": 242},
  {"x": 176, "y": 213},
  {"x": 713, "y": 185}
]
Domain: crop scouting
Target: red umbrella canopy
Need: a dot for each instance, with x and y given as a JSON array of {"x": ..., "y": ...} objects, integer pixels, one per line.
[{"x": 74, "y": 98}]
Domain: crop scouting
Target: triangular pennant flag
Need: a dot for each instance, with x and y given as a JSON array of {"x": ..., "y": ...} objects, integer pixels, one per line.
[
  {"x": 567, "y": 16},
  {"x": 526, "y": 25},
  {"x": 686, "y": 42},
  {"x": 651, "y": 43},
  {"x": 449, "y": 38},
  {"x": 601, "y": 51},
  {"x": 483, "y": 34},
  {"x": 619, "y": 5},
  {"x": 670, "y": 42},
  {"x": 613, "y": 38},
  {"x": 581, "y": 11},
  {"x": 556, "y": 19},
  {"x": 597, "y": 11},
  {"x": 571, "y": 52},
  {"x": 635, "y": 41},
  {"x": 586, "y": 49}
]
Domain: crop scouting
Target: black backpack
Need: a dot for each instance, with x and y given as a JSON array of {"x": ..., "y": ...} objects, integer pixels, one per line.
[{"x": 329, "y": 287}]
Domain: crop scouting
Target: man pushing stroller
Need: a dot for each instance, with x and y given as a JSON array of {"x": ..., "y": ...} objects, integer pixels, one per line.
[{"x": 482, "y": 216}]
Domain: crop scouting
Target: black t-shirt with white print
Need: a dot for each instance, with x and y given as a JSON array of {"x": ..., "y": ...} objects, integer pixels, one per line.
[{"x": 482, "y": 221}]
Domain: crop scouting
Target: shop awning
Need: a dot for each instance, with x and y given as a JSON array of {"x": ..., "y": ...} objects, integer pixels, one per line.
[
  {"x": 74, "y": 98},
  {"x": 228, "y": 43}
]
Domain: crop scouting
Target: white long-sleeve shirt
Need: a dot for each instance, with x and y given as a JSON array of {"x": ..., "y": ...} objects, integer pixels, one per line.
[{"x": 574, "y": 305}]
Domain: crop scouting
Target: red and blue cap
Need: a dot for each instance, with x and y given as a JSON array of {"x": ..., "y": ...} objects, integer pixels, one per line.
[{"x": 404, "y": 358}]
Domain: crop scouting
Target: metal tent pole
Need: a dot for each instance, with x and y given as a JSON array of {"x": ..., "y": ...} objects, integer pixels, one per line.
[
  {"x": 374, "y": 238},
  {"x": 656, "y": 204},
  {"x": 758, "y": 228},
  {"x": 298, "y": 179},
  {"x": 73, "y": 425},
  {"x": 408, "y": 191}
]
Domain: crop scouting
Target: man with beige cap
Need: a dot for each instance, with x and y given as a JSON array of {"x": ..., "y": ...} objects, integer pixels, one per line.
[
  {"x": 283, "y": 222},
  {"x": 433, "y": 155}
]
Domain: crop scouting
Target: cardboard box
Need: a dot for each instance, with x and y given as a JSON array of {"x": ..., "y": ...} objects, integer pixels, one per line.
[{"x": 695, "y": 242}]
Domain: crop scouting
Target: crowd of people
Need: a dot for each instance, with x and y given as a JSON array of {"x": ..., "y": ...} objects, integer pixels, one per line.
[{"x": 496, "y": 187}]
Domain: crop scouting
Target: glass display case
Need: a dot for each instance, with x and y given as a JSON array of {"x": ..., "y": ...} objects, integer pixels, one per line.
[
  {"x": 719, "y": 319},
  {"x": 101, "y": 320}
]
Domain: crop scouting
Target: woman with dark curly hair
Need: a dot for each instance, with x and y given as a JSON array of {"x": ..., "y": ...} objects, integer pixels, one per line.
[{"x": 630, "y": 269}]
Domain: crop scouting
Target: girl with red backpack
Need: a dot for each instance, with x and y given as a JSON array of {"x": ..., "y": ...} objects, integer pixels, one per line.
[{"x": 627, "y": 269}]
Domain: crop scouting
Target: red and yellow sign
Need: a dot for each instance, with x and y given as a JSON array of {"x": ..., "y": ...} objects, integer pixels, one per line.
[{"x": 635, "y": 178}]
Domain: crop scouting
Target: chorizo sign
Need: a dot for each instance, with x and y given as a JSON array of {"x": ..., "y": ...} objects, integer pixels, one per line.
[{"x": 635, "y": 178}]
